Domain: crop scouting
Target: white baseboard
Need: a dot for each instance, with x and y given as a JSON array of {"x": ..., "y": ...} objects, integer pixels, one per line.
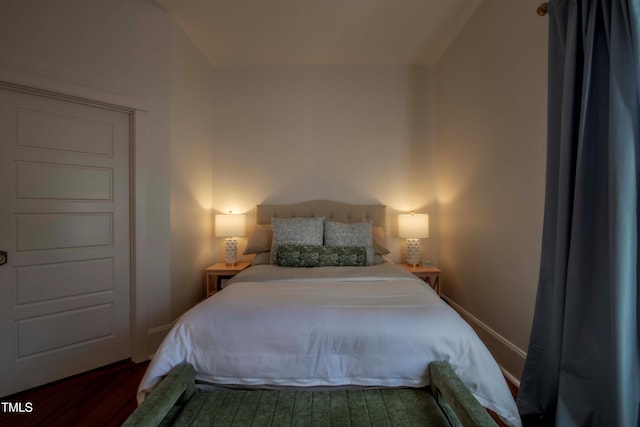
[
  {"x": 513, "y": 380},
  {"x": 510, "y": 358}
]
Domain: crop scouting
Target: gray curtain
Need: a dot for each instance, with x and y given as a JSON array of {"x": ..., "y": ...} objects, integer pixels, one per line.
[{"x": 583, "y": 366}]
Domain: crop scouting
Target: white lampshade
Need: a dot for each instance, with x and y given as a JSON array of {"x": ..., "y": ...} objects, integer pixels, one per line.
[
  {"x": 413, "y": 226},
  {"x": 230, "y": 225}
]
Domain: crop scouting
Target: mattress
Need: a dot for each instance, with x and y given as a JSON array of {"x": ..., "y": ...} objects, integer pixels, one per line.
[{"x": 329, "y": 327}]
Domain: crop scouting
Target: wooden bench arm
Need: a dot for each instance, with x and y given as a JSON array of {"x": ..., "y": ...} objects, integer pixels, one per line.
[
  {"x": 455, "y": 399},
  {"x": 176, "y": 388}
]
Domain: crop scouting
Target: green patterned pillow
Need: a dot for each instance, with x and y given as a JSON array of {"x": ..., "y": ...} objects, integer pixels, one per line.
[
  {"x": 295, "y": 231},
  {"x": 321, "y": 256},
  {"x": 354, "y": 234}
]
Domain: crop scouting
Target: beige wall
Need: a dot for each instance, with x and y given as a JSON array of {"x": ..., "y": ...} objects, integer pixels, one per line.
[
  {"x": 491, "y": 137},
  {"x": 191, "y": 172},
  {"x": 359, "y": 134}
]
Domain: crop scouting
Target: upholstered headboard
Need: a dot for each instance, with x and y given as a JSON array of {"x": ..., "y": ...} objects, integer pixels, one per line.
[{"x": 332, "y": 211}]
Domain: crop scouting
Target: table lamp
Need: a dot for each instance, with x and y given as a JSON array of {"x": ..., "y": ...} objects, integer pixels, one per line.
[
  {"x": 230, "y": 226},
  {"x": 413, "y": 227}
]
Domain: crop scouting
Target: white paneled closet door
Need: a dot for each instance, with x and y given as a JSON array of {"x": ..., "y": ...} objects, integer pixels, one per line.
[{"x": 64, "y": 223}]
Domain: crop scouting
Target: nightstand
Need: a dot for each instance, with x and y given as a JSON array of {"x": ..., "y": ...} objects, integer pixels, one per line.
[
  {"x": 217, "y": 272},
  {"x": 431, "y": 275}
]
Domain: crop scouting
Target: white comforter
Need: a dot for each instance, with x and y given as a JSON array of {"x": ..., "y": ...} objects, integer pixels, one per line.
[{"x": 363, "y": 330}]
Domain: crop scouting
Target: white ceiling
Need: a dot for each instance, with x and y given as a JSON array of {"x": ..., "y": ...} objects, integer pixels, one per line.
[{"x": 351, "y": 32}]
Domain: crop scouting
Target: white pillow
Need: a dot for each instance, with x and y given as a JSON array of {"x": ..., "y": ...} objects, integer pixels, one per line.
[
  {"x": 259, "y": 240},
  {"x": 295, "y": 231},
  {"x": 379, "y": 240}
]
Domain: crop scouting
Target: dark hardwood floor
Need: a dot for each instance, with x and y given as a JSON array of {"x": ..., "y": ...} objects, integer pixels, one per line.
[{"x": 104, "y": 397}]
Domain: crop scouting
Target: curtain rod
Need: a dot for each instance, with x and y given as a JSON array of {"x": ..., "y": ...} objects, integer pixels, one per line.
[{"x": 543, "y": 9}]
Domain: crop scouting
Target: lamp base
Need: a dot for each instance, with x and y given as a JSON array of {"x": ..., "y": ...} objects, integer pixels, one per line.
[
  {"x": 413, "y": 252},
  {"x": 230, "y": 251}
]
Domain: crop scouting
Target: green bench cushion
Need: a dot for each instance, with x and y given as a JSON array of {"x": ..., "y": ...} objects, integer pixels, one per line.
[
  {"x": 446, "y": 403},
  {"x": 384, "y": 407}
]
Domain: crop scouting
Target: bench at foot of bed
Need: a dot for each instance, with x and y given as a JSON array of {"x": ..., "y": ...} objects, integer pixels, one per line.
[{"x": 447, "y": 402}]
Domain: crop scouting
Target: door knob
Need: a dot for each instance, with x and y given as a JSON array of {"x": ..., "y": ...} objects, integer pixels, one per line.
[{"x": 3, "y": 257}]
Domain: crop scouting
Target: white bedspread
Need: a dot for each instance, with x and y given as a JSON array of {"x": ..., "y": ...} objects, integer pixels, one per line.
[{"x": 362, "y": 330}]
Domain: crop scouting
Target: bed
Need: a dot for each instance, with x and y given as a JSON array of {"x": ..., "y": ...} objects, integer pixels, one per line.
[{"x": 315, "y": 316}]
